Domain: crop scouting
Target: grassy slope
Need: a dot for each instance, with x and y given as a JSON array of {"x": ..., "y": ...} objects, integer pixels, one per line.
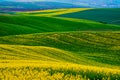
[
  {"x": 41, "y": 53},
  {"x": 53, "y": 50},
  {"x": 52, "y": 12},
  {"x": 12, "y": 25},
  {"x": 99, "y": 47},
  {"x": 54, "y": 56},
  {"x": 101, "y": 15}
]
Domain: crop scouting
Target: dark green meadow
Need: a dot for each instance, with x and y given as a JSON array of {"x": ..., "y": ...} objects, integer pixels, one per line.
[
  {"x": 73, "y": 46},
  {"x": 12, "y": 25},
  {"x": 106, "y": 16}
]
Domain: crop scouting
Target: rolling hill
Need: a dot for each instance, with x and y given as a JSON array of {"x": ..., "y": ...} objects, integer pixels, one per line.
[
  {"x": 108, "y": 16},
  {"x": 21, "y": 54},
  {"x": 41, "y": 45},
  {"x": 51, "y": 12},
  {"x": 13, "y": 25},
  {"x": 46, "y": 55},
  {"x": 90, "y": 45}
]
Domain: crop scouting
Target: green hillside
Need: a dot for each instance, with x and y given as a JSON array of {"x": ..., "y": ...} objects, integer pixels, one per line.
[
  {"x": 42, "y": 53},
  {"x": 37, "y": 45},
  {"x": 60, "y": 55},
  {"x": 12, "y": 25},
  {"x": 109, "y": 16},
  {"x": 101, "y": 47}
]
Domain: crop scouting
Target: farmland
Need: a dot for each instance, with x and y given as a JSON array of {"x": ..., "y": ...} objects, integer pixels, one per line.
[
  {"x": 59, "y": 71},
  {"x": 52, "y": 45},
  {"x": 108, "y": 16},
  {"x": 40, "y": 24}
]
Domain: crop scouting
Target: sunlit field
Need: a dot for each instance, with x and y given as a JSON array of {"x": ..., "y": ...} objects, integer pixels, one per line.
[
  {"x": 44, "y": 45},
  {"x": 29, "y": 59},
  {"x": 20, "y": 70},
  {"x": 53, "y": 12}
]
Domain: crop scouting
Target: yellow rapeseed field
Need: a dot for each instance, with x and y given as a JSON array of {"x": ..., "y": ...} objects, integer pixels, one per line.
[{"x": 43, "y": 70}]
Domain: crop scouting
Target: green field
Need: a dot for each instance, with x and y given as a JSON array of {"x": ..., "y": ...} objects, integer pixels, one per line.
[
  {"x": 12, "y": 25},
  {"x": 107, "y": 16},
  {"x": 37, "y": 45}
]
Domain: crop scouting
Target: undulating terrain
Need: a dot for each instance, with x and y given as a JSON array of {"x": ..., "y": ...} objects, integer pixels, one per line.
[
  {"x": 107, "y": 15},
  {"x": 60, "y": 44}
]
